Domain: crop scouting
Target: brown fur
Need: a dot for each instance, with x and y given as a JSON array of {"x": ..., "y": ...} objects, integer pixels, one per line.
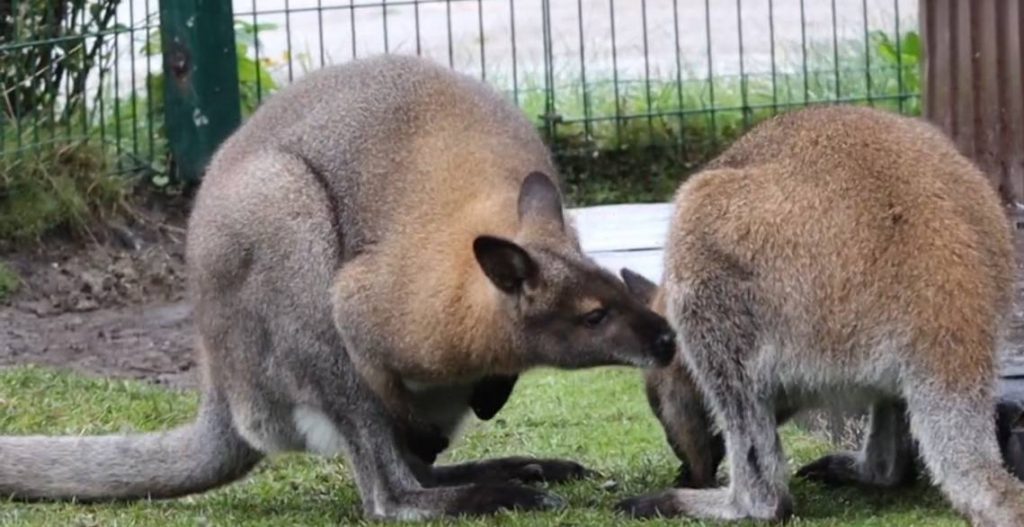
[
  {"x": 380, "y": 248},
  {"x": 675, "y": 400},
  {"x": 843, "y": 255}
]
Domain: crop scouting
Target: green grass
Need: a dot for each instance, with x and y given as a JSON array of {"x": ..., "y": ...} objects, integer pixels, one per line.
[
  {"x": 598, "y": 417},
  {"x": 9, "y": 281}
]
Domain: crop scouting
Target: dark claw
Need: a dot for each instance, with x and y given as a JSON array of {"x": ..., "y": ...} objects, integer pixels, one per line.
[
  {"x": 557, "y": 471},
  {"x": 661, "y": 505},
  {"x": 547, "y": 471},
  {"x": 831, "y": 470},
  {"x": 490, "y": 394},
  {"x": 490, "y": 499}
]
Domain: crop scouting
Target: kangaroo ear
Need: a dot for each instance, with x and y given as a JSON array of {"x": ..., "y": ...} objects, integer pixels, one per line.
[
  {"x": 506, "y": 264},
  {"x": 640, "y": 287},
  {"x": 539, "y": 199}
]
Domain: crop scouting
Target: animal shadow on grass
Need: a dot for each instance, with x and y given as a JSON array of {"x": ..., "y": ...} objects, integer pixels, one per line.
[{"x": 853, "y": 504}]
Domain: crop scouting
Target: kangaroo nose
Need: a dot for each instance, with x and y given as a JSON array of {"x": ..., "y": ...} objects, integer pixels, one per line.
[{"x": 665, "y": 347}]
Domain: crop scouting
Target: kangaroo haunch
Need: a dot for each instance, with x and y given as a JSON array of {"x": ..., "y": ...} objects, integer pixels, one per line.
[
  {"x": 836, "y": 255},
  {"x": 377, "y": 250}
]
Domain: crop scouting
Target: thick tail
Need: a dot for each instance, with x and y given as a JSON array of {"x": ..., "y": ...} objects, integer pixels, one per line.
[{"x": 199, "y": 456}]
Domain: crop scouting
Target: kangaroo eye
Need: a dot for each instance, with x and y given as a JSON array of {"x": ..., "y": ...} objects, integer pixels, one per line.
[{"x": 594, "y": 318}]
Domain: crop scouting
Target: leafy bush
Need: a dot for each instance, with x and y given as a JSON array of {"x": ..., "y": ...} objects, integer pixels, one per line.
[
  {"x": 904, "y": 59},
  {"x": 32, "y": 77},
  {"x": 58, "y": 186}
]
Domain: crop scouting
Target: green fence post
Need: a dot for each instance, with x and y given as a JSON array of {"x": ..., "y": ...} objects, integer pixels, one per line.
[{"x": 201, "y": 98}]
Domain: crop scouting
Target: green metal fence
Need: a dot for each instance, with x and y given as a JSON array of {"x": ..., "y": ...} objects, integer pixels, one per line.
[
  {"x": 622, "y": 82},
  {"x": 73, "y": 73}
]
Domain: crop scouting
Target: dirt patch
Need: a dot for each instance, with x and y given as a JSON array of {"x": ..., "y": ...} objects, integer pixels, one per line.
[
  {"x": 150, "y": 342},
  {"x": 119, "y": 309},
  {"x": 113, "y": 305},
  {"x": 124, "y": 263}
]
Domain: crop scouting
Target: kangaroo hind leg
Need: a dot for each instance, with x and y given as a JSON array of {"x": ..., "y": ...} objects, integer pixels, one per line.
[
  {"x": 885, "y": 460},
  {"x": 957, "y": 439},
  {"x": 719, "y": 329}
]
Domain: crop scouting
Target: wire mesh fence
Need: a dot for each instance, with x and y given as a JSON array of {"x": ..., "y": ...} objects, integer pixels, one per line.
[
  {"x": 74, "y": 73},
  {"x": 616, "y": 86}
]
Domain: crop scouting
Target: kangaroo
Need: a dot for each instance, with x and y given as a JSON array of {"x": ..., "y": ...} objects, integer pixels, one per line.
[
  {"x": 377, "y": 251},
  {"x": 843, "y": 255},
  {"x": 678, "y": 405}
]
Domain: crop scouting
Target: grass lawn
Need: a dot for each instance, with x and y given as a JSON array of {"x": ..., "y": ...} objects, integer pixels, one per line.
[{"x": 598, "y": 417}]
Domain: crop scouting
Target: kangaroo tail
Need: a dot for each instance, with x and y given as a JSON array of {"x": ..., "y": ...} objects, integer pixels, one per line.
[{"x": 199, "y": 456}]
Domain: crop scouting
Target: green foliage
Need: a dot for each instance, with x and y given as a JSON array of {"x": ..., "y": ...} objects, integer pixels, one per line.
[
  {"x": 642, "y": 159},
  {"x": 598, "y": 417},
  {"x": 254, "y": 79},
  {"x": 9, "y": 281},
  {"x": 56, "y": 187},
  {"x": 55, "y": 172},
  {"x": 32, "y": 78},
  {"x": 605, "y": 160},
  {"x": 58, "y": 154},
  {"x": 906, "y": 59},
  {"x": 135, "y": 111}
]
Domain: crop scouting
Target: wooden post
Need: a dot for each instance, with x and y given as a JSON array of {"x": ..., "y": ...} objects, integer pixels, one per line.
[
  {"x": 201, "y": 95},
  {"x": 974, "y": 83}
]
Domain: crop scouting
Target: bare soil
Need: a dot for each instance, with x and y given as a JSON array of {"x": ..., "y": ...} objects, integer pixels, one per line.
[
  {"x": 118, "y": 307},
  {"x": 113, "y": 306}
]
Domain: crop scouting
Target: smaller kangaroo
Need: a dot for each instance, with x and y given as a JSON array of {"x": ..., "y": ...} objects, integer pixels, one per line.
[
  {"x": 676, "y": 402},
  {"x": 840, "y": 255}
]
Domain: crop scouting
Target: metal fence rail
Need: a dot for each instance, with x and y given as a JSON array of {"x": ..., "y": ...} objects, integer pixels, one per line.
[
  {"x": 598, "y": 67},
  {"x": 670, "y": 80}
]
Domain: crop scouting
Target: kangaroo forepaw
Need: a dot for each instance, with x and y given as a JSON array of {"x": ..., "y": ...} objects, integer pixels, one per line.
[
  {"x": 657, "y": 505},
  {"x": 528, "y": 470},
  {"x": 711, "y": 504},
  {"x": 479, "y": 500},
  {"x": 833, "y": 470},
  {"x": 846, "y": 469},
  {"x": 512, "y": 469}
]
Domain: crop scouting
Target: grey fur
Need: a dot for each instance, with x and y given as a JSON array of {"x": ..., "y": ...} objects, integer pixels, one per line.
[
  {"x": 330, "y": 252},
  {"x": 887, "y": 458}
]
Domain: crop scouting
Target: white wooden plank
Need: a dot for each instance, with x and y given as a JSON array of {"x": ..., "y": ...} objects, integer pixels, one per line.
[
  {"x": 622, "y": 227},
  {"x": 648, "y": 263}
]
